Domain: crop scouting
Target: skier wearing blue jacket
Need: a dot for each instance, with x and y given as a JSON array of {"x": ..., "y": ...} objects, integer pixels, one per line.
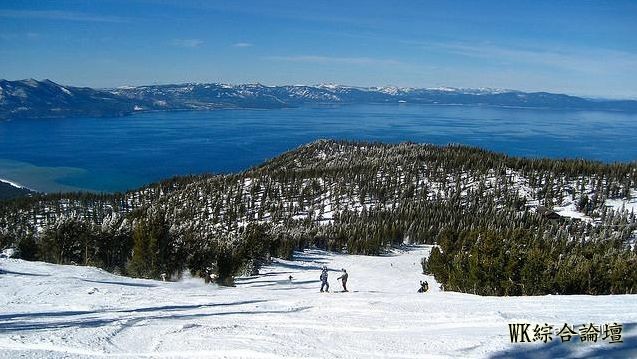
[{"x": 323, "y": 278}]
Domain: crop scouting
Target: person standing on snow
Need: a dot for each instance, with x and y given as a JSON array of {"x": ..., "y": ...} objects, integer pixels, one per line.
[
  {"x": 323, "y": 278},
  {"x": 343, "y": 279},
  {"x": 424, "y": 287}
]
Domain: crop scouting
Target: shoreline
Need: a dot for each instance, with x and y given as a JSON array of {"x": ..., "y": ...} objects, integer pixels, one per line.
[{"x": 15, "y": 184}]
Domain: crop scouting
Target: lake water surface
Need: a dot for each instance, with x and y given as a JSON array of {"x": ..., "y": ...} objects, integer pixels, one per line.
[{"x": 112, "y": 154}]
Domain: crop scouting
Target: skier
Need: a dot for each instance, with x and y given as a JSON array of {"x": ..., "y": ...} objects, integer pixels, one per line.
[
  {"x": 323, "y": 278},
  {"x": 343, "y": 278},
  {"x": 424, "y": 286}
]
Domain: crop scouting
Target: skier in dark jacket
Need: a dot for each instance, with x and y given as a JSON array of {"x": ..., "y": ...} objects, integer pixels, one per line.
[
  {"x": 323, "y": 278},
  {"x": 343, "y": 278},
  {"x": 424, "y": 287}
]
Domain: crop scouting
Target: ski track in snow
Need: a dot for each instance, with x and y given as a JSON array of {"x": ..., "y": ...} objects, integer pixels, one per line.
[{"x": 54, "y": 311}]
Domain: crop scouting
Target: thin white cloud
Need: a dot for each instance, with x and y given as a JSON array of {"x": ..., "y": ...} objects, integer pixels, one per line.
[
  {"x": 60, "y": 15},
  {"x": 334, "y": 60},
  {"x": 590, "y": 61},
  {"x": 576, "y": 70},
  {"x": 19, "y": 36},
  {"x": 242, "y": 44},
  {"x": 189, "y": 43}
]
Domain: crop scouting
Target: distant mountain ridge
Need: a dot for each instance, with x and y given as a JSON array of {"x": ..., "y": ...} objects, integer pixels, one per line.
[{"x": 47, "y": 99}]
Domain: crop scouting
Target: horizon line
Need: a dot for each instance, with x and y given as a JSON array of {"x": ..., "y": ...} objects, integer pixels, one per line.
[{"x": 325, "y": 84}]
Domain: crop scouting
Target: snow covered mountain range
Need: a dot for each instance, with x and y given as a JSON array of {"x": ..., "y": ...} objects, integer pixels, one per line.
[{"x": 47, "y": 99}]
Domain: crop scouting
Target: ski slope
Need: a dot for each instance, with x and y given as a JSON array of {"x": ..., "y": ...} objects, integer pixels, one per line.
[{"x": 54, "y": 311}]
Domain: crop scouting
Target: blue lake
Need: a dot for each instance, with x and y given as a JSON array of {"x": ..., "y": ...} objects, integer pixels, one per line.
[{"x": 112, "y": 154}]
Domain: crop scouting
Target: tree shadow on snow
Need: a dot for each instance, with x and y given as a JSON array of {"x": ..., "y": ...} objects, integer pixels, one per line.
[
  {"x": 314, "y": 258},
  {"x": 7, "y": 326},
  {"x": 253, "y": 280},
  {"x": 143, "y": 285},
  {"x": 269, "y": 274},
  {"x": 300, "y": 267},
  {"x": 43, "y": 315},
  {"x": 4, "y": 271},
  {"x": 280, "y": 282},
  {"x": 188, "y": 307},
  {"x": 93, "y": 322},
  {"x": 575, "y": 348}
]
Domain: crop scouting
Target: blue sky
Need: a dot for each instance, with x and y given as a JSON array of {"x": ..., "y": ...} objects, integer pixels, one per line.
[{"x": 579, "y": 47}]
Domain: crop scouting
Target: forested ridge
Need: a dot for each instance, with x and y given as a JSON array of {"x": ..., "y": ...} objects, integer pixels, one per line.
[
  {"x": 481, "y": 209},
  {"x": 9, "y": 191}
]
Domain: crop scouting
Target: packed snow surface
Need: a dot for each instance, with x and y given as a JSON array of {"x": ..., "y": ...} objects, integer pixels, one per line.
[{"x": 54, "y": 311}]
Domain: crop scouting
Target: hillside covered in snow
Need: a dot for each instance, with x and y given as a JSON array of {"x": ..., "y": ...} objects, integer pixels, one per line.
[
  {"x": 503, "y": 225},
  {"x": 62, "y": 311}
]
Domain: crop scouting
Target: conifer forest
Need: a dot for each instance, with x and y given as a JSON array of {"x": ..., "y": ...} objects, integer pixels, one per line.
[{"x": 490, "y": 216}]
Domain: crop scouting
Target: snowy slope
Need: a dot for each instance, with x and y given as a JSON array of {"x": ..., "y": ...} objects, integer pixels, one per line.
[{"x": 66, "y": 311}]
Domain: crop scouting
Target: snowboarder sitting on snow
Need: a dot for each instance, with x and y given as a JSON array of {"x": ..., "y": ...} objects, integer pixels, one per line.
[
  {"x": 343, "y": 278},
  {"x": 324, "y": 280},
  {"x": 424, "y": 286}
]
